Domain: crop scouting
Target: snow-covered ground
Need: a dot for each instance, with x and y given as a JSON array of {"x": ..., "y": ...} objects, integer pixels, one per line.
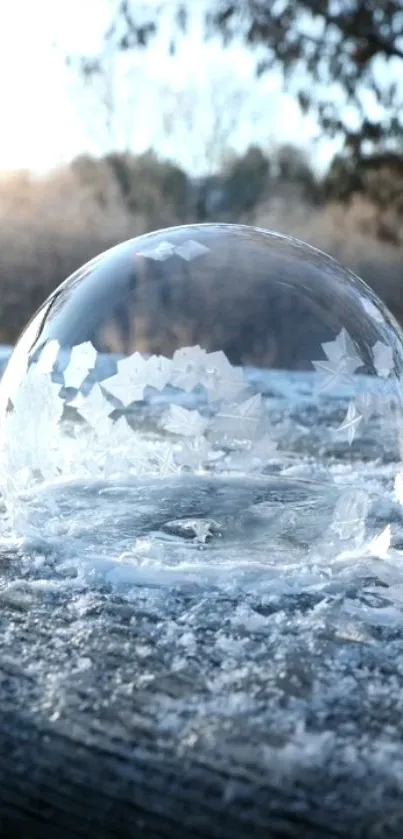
[{"x": 278, "y": 644}]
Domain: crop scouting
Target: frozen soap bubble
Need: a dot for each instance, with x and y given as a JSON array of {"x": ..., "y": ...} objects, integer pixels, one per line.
[{"x": 218, "y": 379}]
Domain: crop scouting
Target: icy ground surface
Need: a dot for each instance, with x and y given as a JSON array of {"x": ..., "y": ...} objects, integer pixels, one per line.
[{"x": 170, "y": 602}]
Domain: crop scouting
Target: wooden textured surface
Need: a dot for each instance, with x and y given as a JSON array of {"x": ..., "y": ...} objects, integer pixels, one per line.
[{"x": 190, "y": 713}]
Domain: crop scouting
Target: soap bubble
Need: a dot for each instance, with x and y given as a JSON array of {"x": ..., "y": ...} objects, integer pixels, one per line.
[{"x": 242, "y": 373}]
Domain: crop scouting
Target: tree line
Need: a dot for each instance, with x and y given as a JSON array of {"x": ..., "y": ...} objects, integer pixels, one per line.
[
  {"x": 53, "y": 224},
  {"x": 341, "y": 61},
  {"x": 146, "y": 183}
]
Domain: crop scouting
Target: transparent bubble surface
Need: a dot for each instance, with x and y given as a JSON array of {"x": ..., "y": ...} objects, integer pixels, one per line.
[{"x": 212, "y": 387}]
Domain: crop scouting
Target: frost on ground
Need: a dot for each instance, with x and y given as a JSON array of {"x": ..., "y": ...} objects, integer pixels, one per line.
[
  {"x": 168, "y": 627},
  {"x": 296, "y": 690}
]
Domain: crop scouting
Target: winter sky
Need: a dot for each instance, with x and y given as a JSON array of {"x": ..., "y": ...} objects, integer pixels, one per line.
[{"x": 46, "y": 118}]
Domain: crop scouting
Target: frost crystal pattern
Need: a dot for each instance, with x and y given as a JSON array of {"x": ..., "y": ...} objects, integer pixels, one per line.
[
  {"x": 214, "y": 353},
  {"x": 164, "y": 250},
  {"x": 342, "y": 363},
  {"x": 231, "y": 416}
]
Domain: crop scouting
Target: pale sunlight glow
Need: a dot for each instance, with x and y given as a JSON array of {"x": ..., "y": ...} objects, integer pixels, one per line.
[{"x": 46, "y": 119}]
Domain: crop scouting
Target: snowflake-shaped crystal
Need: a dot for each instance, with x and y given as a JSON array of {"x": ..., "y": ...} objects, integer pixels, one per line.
[
  {"x": 240, "y": 420},
  {"x": 94, "y": 408},
  {"x": 129, "y": 383},
  {"x": 342, "y": 348},
  {"x": 383, "y": 359},
  {"x": 159, "y": 371},
  {"x": 160, "y": 253},
  {"x": 187, "y": 423},
  {"x": 188, "y": 250},
  {"x": 191, "y": 249},
  {"x": 220, "y": 379},
  {"x": 82, "y": 360},
  {"x": 366, "y": 404},
  {"x": 342, "y": 361},
  {"x": 188, "y": 366},
  {"x": 350, "y": 424}
]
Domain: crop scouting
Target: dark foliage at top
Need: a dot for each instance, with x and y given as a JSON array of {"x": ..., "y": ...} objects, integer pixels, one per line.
[
  {"x": 343, "y": 61},
  {"x": 332, "y": 54}
]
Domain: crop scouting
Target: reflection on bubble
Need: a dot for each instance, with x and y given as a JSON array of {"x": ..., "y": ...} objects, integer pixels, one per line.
[{"x": 217, "y": 352}]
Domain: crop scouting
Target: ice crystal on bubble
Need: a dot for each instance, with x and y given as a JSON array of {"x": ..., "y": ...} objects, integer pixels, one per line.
[
  {"x": 366, "y": 404},
  {"x": 342, "y": 349},
  {"x": 186, "y": 355},
  {"x": 194, "y": 454},
  {"x": 220, "y": 379},
  {"x": 188, "y": 367},
  {"x": 129, "y": 383},
  {"x": 48, "y": 357},
  {"x": 38, "y": 398},
  {"x": 159, "y": 371},
  {"x": 240, "y": 420},
  {"x": 191, "y": 249},
  {"x": 160, "y": 253},
  {"x": 371, "y": 310},
  {"x": 188, "y": 250},
  {"x": 182, "y": 421},
  {"x": 383, "y": 359},
  {"x": 342, "y": 361},
  {"x": 351, "y": 423},
  {"x": 94, "y": 407},
  {"x": 82, "y": 360},
  {"x": 380, "y": 545},
  {"x": 350, "y": 513},
  {"x": 162, "y": 461}
]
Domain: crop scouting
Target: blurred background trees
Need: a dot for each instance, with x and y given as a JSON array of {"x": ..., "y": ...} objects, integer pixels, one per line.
[
  {"x": 335, "y": 55},
  {"x": 341, "y": 59},
  {"x": 215, "y": 151}
]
